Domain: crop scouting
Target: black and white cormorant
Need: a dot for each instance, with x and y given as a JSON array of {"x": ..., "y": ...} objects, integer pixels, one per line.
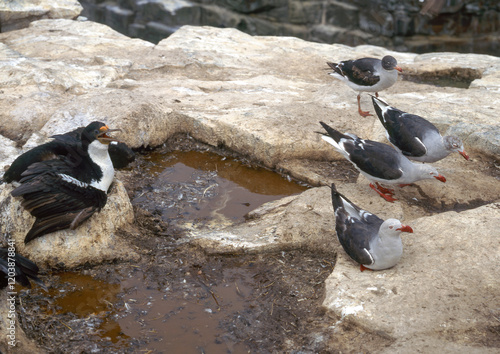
[
  {"x": 61, "y": 145},
  {"x": 65, "y": 191}
]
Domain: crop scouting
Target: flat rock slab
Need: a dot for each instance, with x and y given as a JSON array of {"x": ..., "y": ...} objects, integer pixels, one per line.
[
  {"x": 445, "y": 286},
  {"x": 259, "y": 96}
]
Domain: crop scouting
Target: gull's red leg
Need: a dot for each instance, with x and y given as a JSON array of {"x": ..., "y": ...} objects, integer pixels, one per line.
[
  {"x": 387, "y": 197},
  {"x": 362, "y": 113},
  {"x": 384, "y": 190},
  {"x": 363, "y": 268}
]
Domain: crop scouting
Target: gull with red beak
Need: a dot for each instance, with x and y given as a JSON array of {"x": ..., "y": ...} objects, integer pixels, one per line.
[
  {"x": 416, "y": 137},
  {"x": 372, "y": 242},
  {"x": 64, "y": 191},
  {"x": 378, "y": 162}
]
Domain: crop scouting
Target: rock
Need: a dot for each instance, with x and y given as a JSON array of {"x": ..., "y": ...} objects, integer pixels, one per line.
[
  {"x": 95, "y": 241},
  {"x": 262, "y": 97},
  {"x": 20, "y": 13},
  {"x": 487, "y": 81},
  {"x": 303, "y": 221},
  {"x": 442, "y": 285},
  {"x": 241, "y": 98},
  {"x": 479, "y": 137},
  {"x": 41, "y": 80},
  {"x": 8, "y": 152},
  {"x": 143, "y": 123},
  {"x": 291, "y": 222}
]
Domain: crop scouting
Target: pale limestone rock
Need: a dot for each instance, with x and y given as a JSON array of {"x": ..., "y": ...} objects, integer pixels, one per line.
[
  {"x": 489, "y": 80},
  {"x": 227, "y": 88},
  {"x": 8, "y": 152},
  {"x": 92, "y": 242},
  {"x": 143, "y": 123},
  {"x": 291, "y": 222},
  {"x": 20, "y": 13},
  {"x": 232, "y": 89}
]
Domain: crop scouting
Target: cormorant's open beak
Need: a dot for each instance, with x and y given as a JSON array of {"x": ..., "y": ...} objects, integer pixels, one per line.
[
  {"x": 405, "y": 228},
  {"x": 398, "y": 68},
  {"x": 464, "y": 154},
  {"x": 103, "y": 136},
  {"x": 440, "y": 178}
]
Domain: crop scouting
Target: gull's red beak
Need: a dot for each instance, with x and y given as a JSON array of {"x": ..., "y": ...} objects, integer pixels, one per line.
[
  {"x": 440, "y": 178},
  {"x": 405, "y": 228},
  {"x": 398, "y": 68},
  {"x": 464, "y": 154}
]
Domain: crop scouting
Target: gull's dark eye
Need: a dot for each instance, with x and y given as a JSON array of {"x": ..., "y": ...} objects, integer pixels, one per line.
[
  {"x": 391, "y": 227},
  {"x": 96, "y": 132}
]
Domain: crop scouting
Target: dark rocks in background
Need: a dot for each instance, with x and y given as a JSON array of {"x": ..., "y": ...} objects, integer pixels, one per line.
[
  {"x": 119, "y": 18},
  {"x": 248, "y": 6},
  {"x": 409, "y": 25}
]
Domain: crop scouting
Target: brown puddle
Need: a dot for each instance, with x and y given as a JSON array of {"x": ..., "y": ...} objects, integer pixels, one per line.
[
  {"x": 183, "y": 319},
  {"x": 197, "y": 187},
  {"x": 83, "y": 295},
  {"x": 177, "y": 322}
]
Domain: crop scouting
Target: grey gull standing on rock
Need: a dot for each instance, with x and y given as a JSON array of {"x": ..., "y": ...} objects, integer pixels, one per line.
[
  {"x": 416, "y": 138},
  {"x": 379, "y": 162},
  {"x": 372, "y": 242},
  {"x": 367, "y": 75}
]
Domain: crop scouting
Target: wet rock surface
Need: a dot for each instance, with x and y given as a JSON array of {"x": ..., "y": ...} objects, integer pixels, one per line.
[{"x": 261, "y": 98}]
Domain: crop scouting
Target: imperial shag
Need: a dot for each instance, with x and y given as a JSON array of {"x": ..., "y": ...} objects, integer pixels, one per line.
[
  {"x": 63, "y": 144},
  {"x": 65, "y": 191}
]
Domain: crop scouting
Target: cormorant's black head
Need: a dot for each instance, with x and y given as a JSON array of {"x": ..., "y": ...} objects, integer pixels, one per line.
[
  {"x": 97, "y": 131},
  {"x": 390, "y": 63}
]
